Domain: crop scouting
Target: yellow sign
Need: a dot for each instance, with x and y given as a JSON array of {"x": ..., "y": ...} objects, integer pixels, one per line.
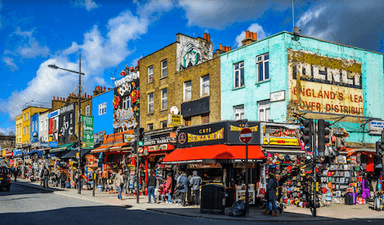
[
  {"x": 281, "y": 141},
  {"x": 208, "y": 137},
  {"x": 323, "y": 84},
  {"x": 175, "y": 119},
  {"x": 253, "y": 129}
]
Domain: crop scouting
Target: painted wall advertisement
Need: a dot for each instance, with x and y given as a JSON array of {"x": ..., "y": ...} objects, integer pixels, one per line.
[
  {"x": 87, "y": 122},
  {"x": 191, "y": 52},
  {"x": 66, "y": 123},
  {"x": 280, "y": 134},
  {"x": 126, "y": 103},
  {"x": 323, "y": 84}
]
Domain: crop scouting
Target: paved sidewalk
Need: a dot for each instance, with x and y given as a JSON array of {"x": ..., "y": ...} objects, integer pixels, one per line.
[{"x": 291, "y": 213}]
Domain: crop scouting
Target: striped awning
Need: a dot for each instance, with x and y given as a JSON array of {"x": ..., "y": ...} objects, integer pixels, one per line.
[{"x": 101, "y": 148}]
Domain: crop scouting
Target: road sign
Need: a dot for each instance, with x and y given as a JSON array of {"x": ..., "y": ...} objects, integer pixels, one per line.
[{"x": 245, "y": 135}]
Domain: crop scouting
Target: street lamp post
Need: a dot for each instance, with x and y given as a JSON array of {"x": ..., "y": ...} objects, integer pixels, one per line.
[{"x": 79, "y": 117}]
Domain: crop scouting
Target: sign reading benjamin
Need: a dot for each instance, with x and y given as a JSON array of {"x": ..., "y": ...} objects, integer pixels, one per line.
[
  {"x": 87, "y": 132},
  {"x": 324, "y": 84}
]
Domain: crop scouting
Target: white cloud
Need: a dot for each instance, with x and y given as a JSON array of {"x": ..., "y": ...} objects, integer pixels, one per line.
[
  {"x": 87, "y": 4},
  {"x": 10, "y": 63},
  {"x": 28, "y": 46},
  {"x": 134, "y": 61},
  {"x": 310, "y": 15},
  {"x": 253, "y": 28},
  {"x": 7, "y": 130},
  {"x": 74, "y": 48}
]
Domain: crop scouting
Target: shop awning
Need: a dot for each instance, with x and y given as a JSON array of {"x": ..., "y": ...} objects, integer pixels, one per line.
[
  {"x": 102, "y": 148},
  {"x": 119, "y": 147},
  {"x": 350, "y": 151},
  {"x": 214, "y": 153},
  {"x": 72, "y": 153},
  {"x": 62, "y": 147}
]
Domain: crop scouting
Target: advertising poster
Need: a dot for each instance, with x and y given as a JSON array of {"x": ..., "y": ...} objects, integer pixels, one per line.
[{"x": 87, "y": 122}]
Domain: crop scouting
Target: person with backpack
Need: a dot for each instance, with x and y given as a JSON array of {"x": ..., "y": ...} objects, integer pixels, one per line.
[{"x": 195, "y": 183}]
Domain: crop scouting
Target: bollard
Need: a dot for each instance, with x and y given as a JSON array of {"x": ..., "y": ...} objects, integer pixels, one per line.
[{"x": 94, "y": 183}]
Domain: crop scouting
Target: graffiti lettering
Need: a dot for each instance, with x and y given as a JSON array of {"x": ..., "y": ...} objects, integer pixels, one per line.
[{"x": 124, "y": 119}]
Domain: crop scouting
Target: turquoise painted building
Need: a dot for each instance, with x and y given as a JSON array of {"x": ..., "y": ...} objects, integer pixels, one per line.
[{"x": 281, "y": 76}]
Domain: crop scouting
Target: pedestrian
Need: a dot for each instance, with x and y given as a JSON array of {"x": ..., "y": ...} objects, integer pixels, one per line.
[
  {"x": 104, "y": 177},
  {"x": 119, "y": 181},
  {"x": 168, "y": 188},
  {"x": 182, "y": 184},
  {"x": 45, "y": 177},
  {"x": 195, "y": 182},
  {"x": 63, "y": 178},
  {"x": 16, "y": 173},
  {"x": 271, "y": 194},
  {"x": 41, "y": 173},
  {"x": 151, "y": 184}
]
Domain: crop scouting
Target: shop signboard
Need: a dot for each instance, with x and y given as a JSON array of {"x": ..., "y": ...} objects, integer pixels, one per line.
[
  {"x": 53, "y": 144},
  {"x": 323, "y": 84},
  {"x": 8, "y": 154},
  {"x": 11, "y": 162},
  {"x": 44, "y": 144},
  {"x": 87, "y": 132},
  {"x": 224, "y": 132},
  {"x": 158, "y": 139},
  {"x": 375, "y": 127},
  {"x": 66, "y": 123},
  {"x": 176, "y": 120},
  {"x": 162, "y": 147},
  {"x": 280, "y": 134}
]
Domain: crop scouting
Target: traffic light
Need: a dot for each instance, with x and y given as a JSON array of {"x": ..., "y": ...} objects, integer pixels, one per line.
[
  {"x": 323, "y": 136},
  {"x": 306, "y": 132},
  {"x": 379, "y": 148},
  {"x": 141, "y": 137}
]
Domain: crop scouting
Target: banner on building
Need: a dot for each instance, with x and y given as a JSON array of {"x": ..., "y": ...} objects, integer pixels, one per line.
[
  {"x": 87, "y": 132},
  {"x": 323, "y": 84}
]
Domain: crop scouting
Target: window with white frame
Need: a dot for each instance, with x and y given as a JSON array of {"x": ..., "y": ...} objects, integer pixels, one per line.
[
  {"x": 150, "y": 74},
  {"x": 163, "y": 68},
  {"x": 204, "y": 85},
  {"x": 41, "y": 125},
  {"x": 28, "y": 130},
  {"x": 102, "y": 108},
  {"x": 239, "y": 74},
  {"x": 164, "y": 99},
  {"x": 127, "y": 102},
  {"x": 27, "y": 116},
  {"x": 70, "y": 118},
  {"x": 163, "y": 124},
  {"x": 33, "y": 126},
  {"x": 264, "y": 110},
  {"x": 46, "y": 124},
  {"x": 187, "y": 90},
  {"x": 150, "y": 126},
  {"x": 239, "y": 112},
  {"x": 23, "y": 130},
  {"x": 150, "y": 102},
  {"x": 87, "y": 110},
  {"x": 262, "y": 67},
  {"x": 36, "y": 126}
]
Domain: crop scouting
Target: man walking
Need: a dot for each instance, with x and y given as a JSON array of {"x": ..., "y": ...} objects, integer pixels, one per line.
[
  {"x": 271, "y": 194},
  {"x": 16, "y": 172},
  {"x": 151, "y": 184},
  {"x": 168, "y": 187},
  {"x": 182, "y": 183},
  {"x": 63, "y": 178},
  {"x": 45, "y": 177},
  {"x": 119, "y": 180},
  {"x": 104, "y": 177},
  {"x": 195, "y": 183}
]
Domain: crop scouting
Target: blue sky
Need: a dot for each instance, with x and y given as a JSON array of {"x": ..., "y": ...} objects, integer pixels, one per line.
[{"x": 111, "y": 34}]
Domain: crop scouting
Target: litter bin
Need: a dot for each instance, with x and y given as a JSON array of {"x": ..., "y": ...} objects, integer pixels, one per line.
[{"x": 212, "y": 197}]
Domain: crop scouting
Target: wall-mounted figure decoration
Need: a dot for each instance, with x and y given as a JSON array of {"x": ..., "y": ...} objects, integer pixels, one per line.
[
  {"x": 126, "y": 103},
  {"x": 66, "y": 123},
  {"x": 191, "y": 52}
]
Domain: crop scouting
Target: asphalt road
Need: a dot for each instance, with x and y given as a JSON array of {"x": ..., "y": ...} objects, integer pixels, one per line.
[{"x": 24, "y": 205}]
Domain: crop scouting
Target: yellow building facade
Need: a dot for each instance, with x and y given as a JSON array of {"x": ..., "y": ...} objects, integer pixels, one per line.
[
  {"x": 19, "y": 129},
  {"x": 26, "y": 121}
]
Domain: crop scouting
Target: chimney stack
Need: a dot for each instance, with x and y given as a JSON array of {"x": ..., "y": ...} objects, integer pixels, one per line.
[
  {"x": 250, "y": 37},
  {"x": 53, "y": 97}
]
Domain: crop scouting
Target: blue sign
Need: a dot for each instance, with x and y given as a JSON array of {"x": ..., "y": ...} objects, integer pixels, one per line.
[
  {"x": 52, "y": 114},
  {"x": 17, "y": 152},
  {"x": 43, "y": 144},
  {"x": 53, "y": 144},
  {"x": 307, "y": 149}
]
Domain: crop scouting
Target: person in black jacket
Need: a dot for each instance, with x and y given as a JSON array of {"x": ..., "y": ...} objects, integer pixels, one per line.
[
  {"x": 63, "y": 178},
  {"x": 151, "y": 184}
]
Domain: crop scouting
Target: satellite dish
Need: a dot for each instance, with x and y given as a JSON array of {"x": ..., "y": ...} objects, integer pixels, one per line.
[
  {"x": 296, "y": 30},
  {"x": 174, "y": 110}
]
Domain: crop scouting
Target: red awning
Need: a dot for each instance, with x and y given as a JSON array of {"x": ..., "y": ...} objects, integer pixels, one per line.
[
  {"x": 101, "y": 148},
  {"x": 211, "y": 153}
]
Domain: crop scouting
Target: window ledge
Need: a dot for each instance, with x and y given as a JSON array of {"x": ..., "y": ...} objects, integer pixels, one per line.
[
  {"x": 238, "y": 88},
  {"x": 163, "y": 110},
  {"x": 264, "y": 81},
  {"x": 150, "y": 114},
  {"x": 163, "y": 77},
  {"x": 150, "y": 82}
]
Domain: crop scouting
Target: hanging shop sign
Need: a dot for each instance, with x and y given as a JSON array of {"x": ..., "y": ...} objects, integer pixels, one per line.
[
  {"x": 154, "y": 148},
  {"x": 8, "y": 154},
  {"x": 87, "y": 132},
  {"x": 225, "y": 132},
  {"x": 126, "y": 103},
  {"x": 375, "y": 127},
  {"x": 11, "y": 162},
  {"x": 279, "y": 134},
  {"x": 324, "y": 84},
  {"x": 129, "y": 138},
  {"x": 176, "y": 120},
  {"x": 66, "y": 123}
]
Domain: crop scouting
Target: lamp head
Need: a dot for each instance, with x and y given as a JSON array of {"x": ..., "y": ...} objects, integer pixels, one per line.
[{"x": 53, "y": 66}]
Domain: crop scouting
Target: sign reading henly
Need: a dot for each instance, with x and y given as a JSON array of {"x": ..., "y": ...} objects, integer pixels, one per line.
[{"x": 324, "y": 84}]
